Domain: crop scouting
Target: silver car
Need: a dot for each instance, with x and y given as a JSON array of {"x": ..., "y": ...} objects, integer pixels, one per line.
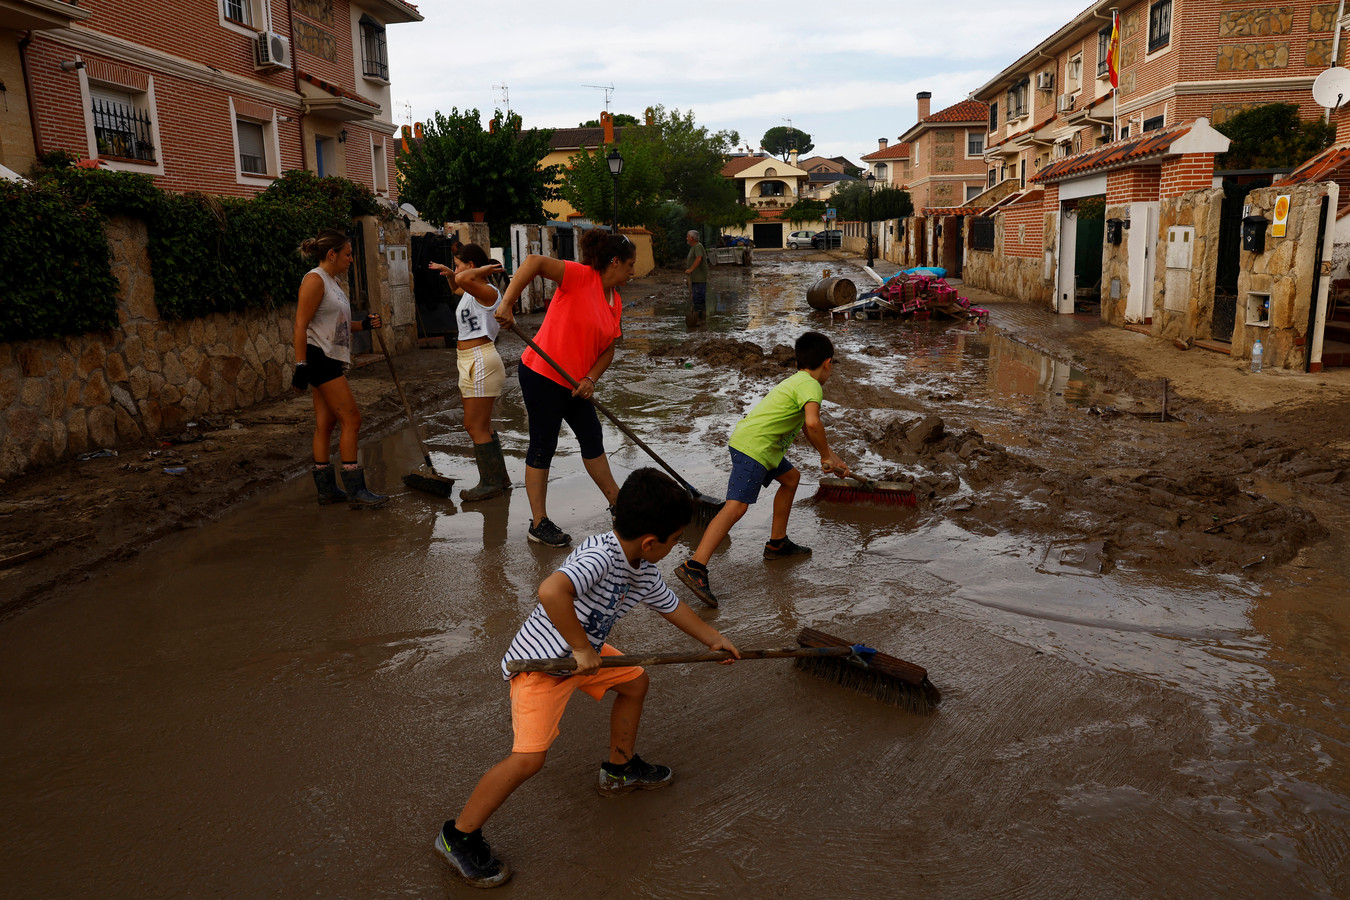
[{"x": 799, "y": 239}]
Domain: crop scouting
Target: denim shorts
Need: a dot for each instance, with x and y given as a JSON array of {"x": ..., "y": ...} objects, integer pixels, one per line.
[{"x": 748, "y": 476}]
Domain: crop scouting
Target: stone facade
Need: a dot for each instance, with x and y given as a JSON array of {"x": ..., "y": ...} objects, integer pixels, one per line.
[
  {"x": 1016, "y": 277},
  {"x": 1285, "y": 271},
  {"x": 1116, "y": 269},
  {"x": 1252, "y": 57},
  {"x": 1256, "y": 22},
  {"x": 1190, "y": 290},
  {"x": 66, "y": 396}
]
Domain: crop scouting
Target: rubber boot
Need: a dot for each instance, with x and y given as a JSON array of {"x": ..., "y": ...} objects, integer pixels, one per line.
[
  {"x": 325, "y": 479},
  {"x": 492, "y": 478},
  {"x": 358, "y": 495}
]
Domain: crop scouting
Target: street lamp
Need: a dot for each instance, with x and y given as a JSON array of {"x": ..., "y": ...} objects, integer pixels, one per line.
[
  {"x": 871, "y": 180},
  {"x": 615, "y": 160}
]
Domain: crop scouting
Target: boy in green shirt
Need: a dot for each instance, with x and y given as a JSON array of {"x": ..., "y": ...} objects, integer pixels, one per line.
[{"x": 757, "y": 446}]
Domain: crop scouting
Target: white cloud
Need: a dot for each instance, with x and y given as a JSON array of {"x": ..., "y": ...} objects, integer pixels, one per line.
[{"x": 845, "y": 72}]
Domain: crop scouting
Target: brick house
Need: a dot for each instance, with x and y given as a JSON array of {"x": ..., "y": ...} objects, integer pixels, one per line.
[
  {"x": 825, "y": 175},
  {"x": 946, "y": 153},
  {"x": 1061, "y": 140},
  {"x": 220, "y": 97},
  {"x": 889, "y": 164}
]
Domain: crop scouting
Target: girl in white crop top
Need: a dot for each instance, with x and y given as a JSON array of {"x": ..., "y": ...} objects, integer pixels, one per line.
[{"x": 481, "y": 372}]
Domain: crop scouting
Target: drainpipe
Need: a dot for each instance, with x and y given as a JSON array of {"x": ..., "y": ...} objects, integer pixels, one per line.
[
  {"x": 295, "y": 77},
  {"x": 1320, "y": 284},
  {"x": 28, "y": 92},
  {"x": 1335, "y": 48}
]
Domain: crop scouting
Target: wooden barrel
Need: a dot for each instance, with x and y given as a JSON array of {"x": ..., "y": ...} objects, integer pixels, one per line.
[{"x": 827, "y": 293}]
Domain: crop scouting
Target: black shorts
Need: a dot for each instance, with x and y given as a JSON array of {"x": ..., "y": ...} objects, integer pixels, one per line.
[
  {"x": 321, "y": 369},
  {"x": 549, "y": 404}
]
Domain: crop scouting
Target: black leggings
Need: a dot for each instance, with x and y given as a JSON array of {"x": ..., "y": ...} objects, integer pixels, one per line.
[{"x": 549, "y": 404}]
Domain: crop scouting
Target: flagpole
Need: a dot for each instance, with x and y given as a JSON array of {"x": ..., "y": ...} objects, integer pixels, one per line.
[{"x": 1114, "y": 52}]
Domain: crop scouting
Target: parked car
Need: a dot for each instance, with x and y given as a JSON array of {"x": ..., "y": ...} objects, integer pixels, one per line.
[
  {"x": 822, "y": 240},
  {"x": 799, "y": 239}
]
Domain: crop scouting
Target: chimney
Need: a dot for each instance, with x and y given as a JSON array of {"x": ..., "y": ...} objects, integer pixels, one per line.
[
  {"x": 881, "y": 144},
  {"x": 923, "y": 97},
  {"x": 792, "y": 157}
]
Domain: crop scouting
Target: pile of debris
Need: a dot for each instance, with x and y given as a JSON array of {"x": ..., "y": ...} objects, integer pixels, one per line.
[{"x": 919, "y": 294}]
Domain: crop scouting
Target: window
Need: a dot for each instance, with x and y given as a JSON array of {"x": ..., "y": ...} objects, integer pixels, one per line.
[
  {"x": 974, "y": 143},
  {"x": 993, "y": 176},
  {"x": 121, "y": 126},
  {"x": 1103, "y": 49},
  {"x": 1124, "y": 132},
  {"x": 380, "y": 168},
  {"x": 240, "y": 11},
  {"x": 374, "y": 51},
  {"x": 1159, "y": 25},
  {"x": 252, "y": 148},
  {"x": 993, "y": 117},
  {"x": 1073, "y": 73},
  {"x": 973, "y": 191},
  {"x": 1153, "y": 124},
  {"x": 1017, "y": 99},
  {"x": 881, "y": 172}
]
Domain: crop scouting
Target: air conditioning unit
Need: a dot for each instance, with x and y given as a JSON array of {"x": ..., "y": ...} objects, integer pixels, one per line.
[
  {"x": 1045, "y": 81},
  {"x": 271, "y": 52},
  {"x": 1064, "y": 103}
]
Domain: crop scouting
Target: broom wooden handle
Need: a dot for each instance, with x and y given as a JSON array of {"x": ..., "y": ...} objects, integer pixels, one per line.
[
  {"x": 567, "y": 664},
  {"x": 407, "y": 408},
  {"x": 600, "y": 406}
]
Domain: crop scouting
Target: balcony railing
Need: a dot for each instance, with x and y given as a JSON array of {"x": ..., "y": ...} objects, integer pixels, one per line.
[{"x": 122, "y": 131}]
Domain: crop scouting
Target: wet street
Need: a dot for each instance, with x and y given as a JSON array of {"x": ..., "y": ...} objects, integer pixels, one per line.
[{"x": 290, "y": 700}]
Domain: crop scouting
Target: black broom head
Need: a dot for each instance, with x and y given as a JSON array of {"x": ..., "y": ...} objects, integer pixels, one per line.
[
  {"x": 439, "y": 485},
  {"x": 876, "y": 674}
]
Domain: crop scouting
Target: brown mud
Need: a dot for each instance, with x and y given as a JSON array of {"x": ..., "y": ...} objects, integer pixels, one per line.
[{"x": 215, "y": 687}]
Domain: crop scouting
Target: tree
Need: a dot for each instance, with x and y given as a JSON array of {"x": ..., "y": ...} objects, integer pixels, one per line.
[
  {"x": 1272, "y": 137},
  {"x": 459, "y": 168},
  {"x": 620, "y": 120},
  {"x": 690, "y": 160},
  {"x": 852, "y": 203},
  {"x": 780, "y": 141},
  {"x": 805, "y": 211},
  {"x": 589, "y": 187}
]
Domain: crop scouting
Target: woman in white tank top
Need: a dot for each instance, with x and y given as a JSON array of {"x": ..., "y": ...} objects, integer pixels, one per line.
[
  {"x": 481, "y": 372},
  {"x": 322, "y": 344}
]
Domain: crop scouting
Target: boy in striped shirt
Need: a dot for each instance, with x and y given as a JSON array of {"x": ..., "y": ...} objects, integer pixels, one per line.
[{"x": 598, "y": 583}]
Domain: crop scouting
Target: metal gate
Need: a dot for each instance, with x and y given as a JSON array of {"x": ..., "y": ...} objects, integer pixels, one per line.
[
  {"x": 768, "y": 236},
  {"x": 358, "y": 290},
  {"x": 1224, "y": 315},
  {"x": 432, "y": 297}
]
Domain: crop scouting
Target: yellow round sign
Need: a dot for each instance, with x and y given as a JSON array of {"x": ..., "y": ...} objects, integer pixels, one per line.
[{"x": 1281, "y": 207}]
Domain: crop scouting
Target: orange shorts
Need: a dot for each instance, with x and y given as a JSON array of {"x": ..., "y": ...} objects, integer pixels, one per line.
[{"x": 538, "y": 700}]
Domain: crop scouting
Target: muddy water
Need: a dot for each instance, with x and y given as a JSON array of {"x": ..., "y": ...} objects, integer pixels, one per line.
[{"x": 290, "y": 700}]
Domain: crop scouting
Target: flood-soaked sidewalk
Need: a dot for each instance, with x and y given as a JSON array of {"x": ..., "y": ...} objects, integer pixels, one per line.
[{"x": 292, "y": 699}]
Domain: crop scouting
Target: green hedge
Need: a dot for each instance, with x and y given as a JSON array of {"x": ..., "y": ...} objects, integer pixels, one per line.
[{"x": 207, "y": 254}]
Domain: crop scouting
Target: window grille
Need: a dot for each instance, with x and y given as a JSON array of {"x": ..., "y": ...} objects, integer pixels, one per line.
[
  {"x": 981, "y": 233},
  {"x": 120, "y": 129},
  {"x": 1103, "y": 48},
  {"x": 374, "y": 51},
  {"x": 1159, "y": 25}
]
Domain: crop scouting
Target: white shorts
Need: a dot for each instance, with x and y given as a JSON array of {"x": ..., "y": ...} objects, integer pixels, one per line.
[{"x": 481, "y": 371}]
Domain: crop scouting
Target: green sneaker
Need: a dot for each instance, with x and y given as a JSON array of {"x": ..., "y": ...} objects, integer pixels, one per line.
[{"x": 471, "y": 857}]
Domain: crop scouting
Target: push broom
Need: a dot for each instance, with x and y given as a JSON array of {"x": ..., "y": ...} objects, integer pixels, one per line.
[
  {"x": 856, "y": 489},
  {"x": 437, "y": 484},
  {"x": 854, "y": 666},
  {"x": 705, "y": 507}
]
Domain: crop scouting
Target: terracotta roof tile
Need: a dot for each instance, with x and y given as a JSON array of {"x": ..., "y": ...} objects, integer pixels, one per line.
[
  {"x": 1114, "y": 154},
  {"x": 895, "y": 151},
  {"x": 965, "y": 111},
  {"x": 738, "y": 164},
  {"x": 1321, "y": 167}
]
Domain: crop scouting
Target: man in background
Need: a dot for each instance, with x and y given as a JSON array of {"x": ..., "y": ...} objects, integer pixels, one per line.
[{"x": 696, "y": 268}]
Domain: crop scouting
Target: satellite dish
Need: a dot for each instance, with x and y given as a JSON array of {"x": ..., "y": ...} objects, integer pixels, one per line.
[{"x": 1331, "y": 90}]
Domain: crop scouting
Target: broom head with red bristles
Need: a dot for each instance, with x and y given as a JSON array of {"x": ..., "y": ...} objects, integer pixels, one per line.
[{"x": 862, "y": 490}]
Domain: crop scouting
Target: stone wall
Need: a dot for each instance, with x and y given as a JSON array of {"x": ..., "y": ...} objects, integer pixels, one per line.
[
  {"x": 1116, "y": 268},
  {"x": 67, "y": 396},
  {"x": 1190, "y": 292},
  {"x": 1015, "y": 277},
  {"x": 1284, "y": 270}
]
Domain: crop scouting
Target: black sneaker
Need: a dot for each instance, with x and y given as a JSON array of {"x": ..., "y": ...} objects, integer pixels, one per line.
[
  {"x": 785, "y": 549},
  {"x": 697, "y": 581},
  {"x": 634, "y": 775},
  {"x": 471, "y": 857},
  {"x": 548, "y": 534}
]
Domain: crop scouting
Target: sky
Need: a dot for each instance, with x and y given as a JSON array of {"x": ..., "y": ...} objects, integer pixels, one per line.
[{"x": 844, "y": 72}]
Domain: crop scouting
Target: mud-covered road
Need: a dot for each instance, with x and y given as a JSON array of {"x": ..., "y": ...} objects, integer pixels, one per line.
[{"x": 1139, "y": 628}]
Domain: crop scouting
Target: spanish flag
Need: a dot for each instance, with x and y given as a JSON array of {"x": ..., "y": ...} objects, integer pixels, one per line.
[{"x": 1113, "y": 50}]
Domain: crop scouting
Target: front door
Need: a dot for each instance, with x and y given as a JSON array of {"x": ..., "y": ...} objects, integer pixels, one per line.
[
  {"x": 768, "y": 235},
  {"x": 1224, "y": 316},
  {"x": 1068, "y": 249}
]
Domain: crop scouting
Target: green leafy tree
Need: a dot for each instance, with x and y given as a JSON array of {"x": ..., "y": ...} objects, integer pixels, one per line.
[
  {"x": 781, "y": 141},
  {"x": 590, "y": 188},
  {"x": 460, "y": 168},
  {"x": 805, "y": 211},
  {"x": 620, "y": 120},
  {"x": 853, "y": 205},
  {"x": 1272, "y": 137},
  {"x": 690, "y": 160}
]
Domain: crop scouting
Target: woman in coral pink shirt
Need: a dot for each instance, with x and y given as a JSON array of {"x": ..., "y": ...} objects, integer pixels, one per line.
[{"x": 579, "y": 332}]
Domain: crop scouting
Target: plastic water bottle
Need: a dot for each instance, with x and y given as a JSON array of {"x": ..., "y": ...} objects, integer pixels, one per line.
[{"x": 1256, "y": 357}]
